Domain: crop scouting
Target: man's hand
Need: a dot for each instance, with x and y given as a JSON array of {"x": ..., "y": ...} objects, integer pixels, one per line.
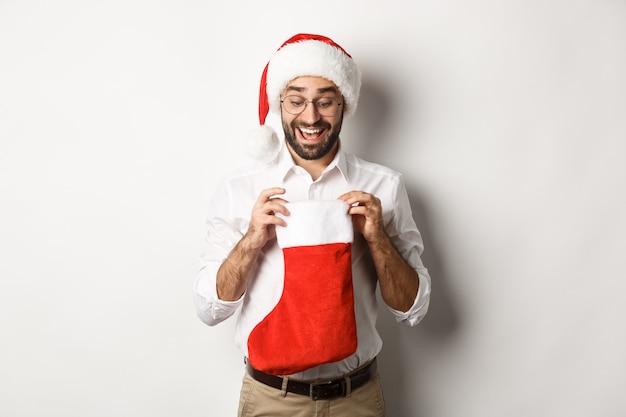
[
  {"x": 233, "y": 274},
  {"x": 367, "y": 214},
  {"x": 399, "y": 283},
  {"x": 263, "y": 219}
]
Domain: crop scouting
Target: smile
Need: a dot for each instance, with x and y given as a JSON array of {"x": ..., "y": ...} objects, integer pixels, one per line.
[
  {"x": 310, "y": 131},
  {"x": 311, "y": 135}
]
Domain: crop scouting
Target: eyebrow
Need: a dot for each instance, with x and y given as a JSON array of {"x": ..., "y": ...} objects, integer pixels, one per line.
[{"x": 322, "y": 90}]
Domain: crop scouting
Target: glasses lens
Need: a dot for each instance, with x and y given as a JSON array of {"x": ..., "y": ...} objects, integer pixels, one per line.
[
  {"x": 294, "y": 104},
  {"x": 326, "y": 106}
]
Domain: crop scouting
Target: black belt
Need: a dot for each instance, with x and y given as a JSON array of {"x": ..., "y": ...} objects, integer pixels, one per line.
[{"x": 318, "y": 390}]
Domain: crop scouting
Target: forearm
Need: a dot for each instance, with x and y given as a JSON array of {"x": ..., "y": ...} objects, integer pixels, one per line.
[
  {"x": 233, "y": 274},
  {"x": 399, "y": 283}
]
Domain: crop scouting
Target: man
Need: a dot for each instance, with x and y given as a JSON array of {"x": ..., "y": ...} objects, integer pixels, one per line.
[{"x": 299, "y": 243}]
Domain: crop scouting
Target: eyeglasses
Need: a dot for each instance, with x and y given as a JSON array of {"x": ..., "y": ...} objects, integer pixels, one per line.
[{"x": 325, "y": 106}]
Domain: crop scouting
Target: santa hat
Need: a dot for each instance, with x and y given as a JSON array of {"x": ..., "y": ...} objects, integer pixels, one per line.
[{"x": 301, "y": 55}]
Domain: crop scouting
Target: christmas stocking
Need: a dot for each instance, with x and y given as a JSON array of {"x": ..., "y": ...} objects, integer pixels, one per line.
[{"x": 313, "y": 322}]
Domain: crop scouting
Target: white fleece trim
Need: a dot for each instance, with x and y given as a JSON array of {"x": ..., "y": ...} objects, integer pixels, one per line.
[
  {"x": 315, "y": 222},
  {"x": 313, "y": 58}
]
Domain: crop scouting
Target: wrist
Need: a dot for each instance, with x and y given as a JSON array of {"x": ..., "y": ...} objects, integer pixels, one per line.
[
  {"x": 250, "y": 244},
  {"x": 377, "y": 236}
]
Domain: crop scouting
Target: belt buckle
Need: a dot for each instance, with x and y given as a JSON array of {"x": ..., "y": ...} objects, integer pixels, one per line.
[{"x": 315, "y": 395}]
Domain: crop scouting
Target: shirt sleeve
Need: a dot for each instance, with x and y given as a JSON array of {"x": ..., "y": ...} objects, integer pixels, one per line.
[
  {"x": 408, "y": 241},
  {"x": 420, "y": 306},
  {"x": 210, "y": 309},
  {"x": 221, "y": 238}
]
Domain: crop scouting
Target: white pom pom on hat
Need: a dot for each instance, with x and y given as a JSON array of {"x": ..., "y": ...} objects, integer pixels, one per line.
[{"x": 301, "y": 55}]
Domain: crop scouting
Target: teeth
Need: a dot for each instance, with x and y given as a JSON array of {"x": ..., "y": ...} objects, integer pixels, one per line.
[{"x": 310, "y": 131}]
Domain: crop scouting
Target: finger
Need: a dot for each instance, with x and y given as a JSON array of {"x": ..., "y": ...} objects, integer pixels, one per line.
[
  {"x": 347, "y": 196},
  {"x": 270, "y": 192},
  {"x": 357, "y": 198},
  {"x": 263, "y": 219},
  {"x": 357, "y": 209},
  {"x": 271, "y": 219},
  {"x": 350, "y": 197},
  {"x": 276, "y": 205}
]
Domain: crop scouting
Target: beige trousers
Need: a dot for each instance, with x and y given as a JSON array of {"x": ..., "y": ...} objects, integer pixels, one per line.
[{"x": 258, "y": 399}]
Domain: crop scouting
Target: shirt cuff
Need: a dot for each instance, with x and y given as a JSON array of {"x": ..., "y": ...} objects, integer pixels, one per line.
[
  {"x": 420, "y": 305},
  {"x": 209, "y": 307}
]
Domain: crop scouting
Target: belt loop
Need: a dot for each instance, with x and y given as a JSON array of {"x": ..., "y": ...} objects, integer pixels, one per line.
[
  {"x": 348, "y": 385},
  {"x": 283, "y": 388}
]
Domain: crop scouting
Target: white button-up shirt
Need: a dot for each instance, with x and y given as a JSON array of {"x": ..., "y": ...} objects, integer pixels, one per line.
[{"x": 228, "y": 221}]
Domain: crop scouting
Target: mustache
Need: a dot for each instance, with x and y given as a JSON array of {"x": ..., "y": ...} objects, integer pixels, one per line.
[{"x": 318, "y": 125}]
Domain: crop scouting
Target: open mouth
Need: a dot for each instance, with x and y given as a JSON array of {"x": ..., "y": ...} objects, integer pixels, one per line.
[{"x": 311, "y": 134}]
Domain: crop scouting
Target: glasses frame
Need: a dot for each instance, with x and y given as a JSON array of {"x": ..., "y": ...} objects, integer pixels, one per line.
[{"x": 334, "y": 108}]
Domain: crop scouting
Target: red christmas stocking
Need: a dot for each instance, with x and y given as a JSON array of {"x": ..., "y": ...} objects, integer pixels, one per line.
[{"x": 313, "y": 322}]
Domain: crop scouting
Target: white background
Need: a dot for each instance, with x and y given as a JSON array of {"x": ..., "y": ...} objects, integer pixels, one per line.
[{"x": 508, "y": 119}]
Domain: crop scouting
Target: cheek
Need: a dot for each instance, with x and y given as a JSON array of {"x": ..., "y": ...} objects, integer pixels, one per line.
[
  {"x": 288, "y": 120},
  {"x": 337, "y": 122}
]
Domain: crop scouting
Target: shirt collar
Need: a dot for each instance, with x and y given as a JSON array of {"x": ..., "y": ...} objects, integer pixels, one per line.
[{"x": 286, "y": 163}]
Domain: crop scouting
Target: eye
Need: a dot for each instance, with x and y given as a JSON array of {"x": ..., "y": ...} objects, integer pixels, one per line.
[
  {"x": 324, "y": 103},
  {"x": 296, "y": 101}
]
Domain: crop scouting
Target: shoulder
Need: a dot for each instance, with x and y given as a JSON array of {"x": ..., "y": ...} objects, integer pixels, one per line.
[
  {"x": 248, "y": 173},
  {"x": 241, "y": 172},
  {"x": 245, "y": 183},
  {"x": 361, "y": 167}
]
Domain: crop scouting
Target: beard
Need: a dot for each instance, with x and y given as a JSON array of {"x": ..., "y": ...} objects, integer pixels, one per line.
[{"x": 315, "y": 151}]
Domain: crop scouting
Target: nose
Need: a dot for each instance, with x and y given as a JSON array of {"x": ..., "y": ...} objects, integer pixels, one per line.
[{"x": 310, "y": 114}]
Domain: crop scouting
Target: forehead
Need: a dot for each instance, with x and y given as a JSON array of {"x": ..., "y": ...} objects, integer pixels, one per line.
[{"x": 312, "y": 85}]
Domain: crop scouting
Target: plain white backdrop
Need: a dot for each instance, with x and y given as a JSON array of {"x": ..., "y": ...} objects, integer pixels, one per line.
[{"x": 508, "y": 119}]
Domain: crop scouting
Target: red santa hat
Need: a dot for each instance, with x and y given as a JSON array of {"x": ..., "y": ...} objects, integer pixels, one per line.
[{"x": 301, "y": 55}]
